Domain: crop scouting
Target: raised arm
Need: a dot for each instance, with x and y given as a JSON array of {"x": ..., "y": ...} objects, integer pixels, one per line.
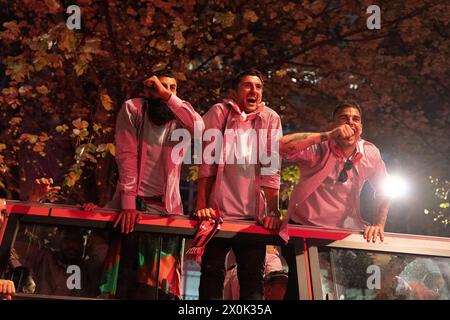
[
  {"x": 292, "y": 143},
  {"x": 296, "y": 142},
  {"x": 182, "y": 110}
]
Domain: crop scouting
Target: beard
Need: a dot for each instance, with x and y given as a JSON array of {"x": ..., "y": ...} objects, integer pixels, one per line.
[{"x": 158, "y": 112}]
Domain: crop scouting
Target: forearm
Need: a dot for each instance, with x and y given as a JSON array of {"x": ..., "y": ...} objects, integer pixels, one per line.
[
  {"x": 299, "y": 141},
  {"x": 271, "y": 198},
  {"x": 203, "y": 185},
  {"x": 382, "y": 212},
  {"x": 185, "y": 114}
]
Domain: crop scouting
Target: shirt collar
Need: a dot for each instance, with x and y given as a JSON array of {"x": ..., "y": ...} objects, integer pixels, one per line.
[
  {"x": 242, "y": 115},
  {"x": 357, "y": 155}
]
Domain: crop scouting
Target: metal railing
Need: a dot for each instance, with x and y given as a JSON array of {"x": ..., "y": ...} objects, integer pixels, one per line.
[{"x": 307, "y": 241}]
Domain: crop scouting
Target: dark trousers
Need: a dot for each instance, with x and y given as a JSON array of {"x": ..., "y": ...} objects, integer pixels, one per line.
[
  {"x": 288, "y": 253},
  {"x": 128, "y": 286},
  {"x": 250, "y": 262}
]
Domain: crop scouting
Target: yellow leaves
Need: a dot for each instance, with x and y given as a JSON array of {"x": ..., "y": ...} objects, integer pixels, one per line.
[
  {"x": 181, "y": 76},
  {"x": 68, "y": 41},
  {"x": 39, "y": 147},
  {"x": 80, "y": 124},
  {"x": 290, "y": 174},
  {"x": 62, "y": 129},
  {"x": 106, "y": 100},
  {"x": 96, "y": 128},
  {"x": 17, "y": 68},
  {"x": 111, "y": 148},
  {"x": 159, "y": 66},
  {"x": 148, "y": 16},
  {"x": 178, "y": 29},
  {"x": 53, "y": 5},
  {"x": 85, "y": 152},
  {"x": 10, "y": 96},
  {"x": 80, "y": 128},
  {"x": 12, "y": 31},
  {"x": 281, "y": 73},
  {"x": 43, "y": 190},
  {"x": 193, "y": 174},
  {"x": 161, "y": 45},
  {"x": 101, "y": 148},
  {"x": 42, "y": 90},
  {"x": 38, "y": 142},
  {"x": 26, "y": 91},
  {"x": 82, "y": 64},
  {"x": 108, "y": 147},
  {"x": 3, "y": 166},
  {"x": 226, "y": 20},
  {"x": 250, "y": 15},
  {"x": 80, "y": 68},
  {"x": 92, "y": 46},
  {"x": 2, "y": 147},
  {"x": 72, "y": 177},
  {"x": 44, "y": 137},
  {"x": 179, "y": 40},
  {"x": 27, "y": 137}
]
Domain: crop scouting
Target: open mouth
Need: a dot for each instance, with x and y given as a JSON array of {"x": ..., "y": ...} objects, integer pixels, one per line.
[{"x": 251, "y": 100}]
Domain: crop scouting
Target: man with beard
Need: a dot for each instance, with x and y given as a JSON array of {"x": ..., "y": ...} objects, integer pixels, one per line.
[
  {"x": 149, "y": 183},
  {"x": 147, "y": 174},
  {"x": 334, "y": 166}
]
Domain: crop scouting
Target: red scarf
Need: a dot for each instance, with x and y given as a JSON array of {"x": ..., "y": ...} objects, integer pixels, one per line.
[
  {"x": 338, "y": 153},
  {"x": 205, "y": 231}
]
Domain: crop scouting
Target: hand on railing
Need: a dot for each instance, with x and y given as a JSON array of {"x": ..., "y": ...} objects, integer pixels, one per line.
[
  {"x": 204, "y": 214},
  {"x": 42, "y": 190},
  {"x": 272, "y": 221},
  {"x": 89, "y": 206},
  {"x": 128, "y": 219},
  {"x": 6, "y": 289},
  {"x": 371, "y": 233}
]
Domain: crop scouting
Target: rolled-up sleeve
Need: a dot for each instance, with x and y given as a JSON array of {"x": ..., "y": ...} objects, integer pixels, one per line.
[
  {"x": 186, "y": 114},
  {"x": 308, "y": 157},
  {"x": 213, "y": 120},
  {"x": 270, "y": 173},
  {"x": 127, "y": 154}
]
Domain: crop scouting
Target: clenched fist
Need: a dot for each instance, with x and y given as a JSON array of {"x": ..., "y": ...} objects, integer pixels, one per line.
[
  {"x": 157, "y": 88},
  {"x": 343, "y": 131},
  {"x": 204, "y": 214}
]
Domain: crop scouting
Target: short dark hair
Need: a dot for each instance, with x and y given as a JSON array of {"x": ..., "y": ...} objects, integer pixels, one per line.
[
  {"x": 247, "y": 72},
  {"x": 165, "y": 73},
  {"x": 346, "y": 104}
]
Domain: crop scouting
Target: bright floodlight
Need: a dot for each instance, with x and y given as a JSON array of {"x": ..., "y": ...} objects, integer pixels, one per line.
[{"x": 395, "y": 187}]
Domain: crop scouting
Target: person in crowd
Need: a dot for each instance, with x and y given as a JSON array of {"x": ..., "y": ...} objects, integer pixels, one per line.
[
  {"x": 239, "y": 185},
  {"x": 334, "y": 166}
]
